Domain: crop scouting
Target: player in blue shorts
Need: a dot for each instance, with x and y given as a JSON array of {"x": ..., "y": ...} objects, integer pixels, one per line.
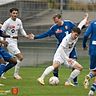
[
  {"x": 91, "y": 32},
  {"x": 60, "y": 29},
  {"x": 5, "y": 56}
]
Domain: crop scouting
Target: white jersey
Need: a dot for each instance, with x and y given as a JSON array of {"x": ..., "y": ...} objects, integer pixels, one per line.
[
  {"x": 12, "y": 28},
  {"x": 64, "y": 49},
  {"x": 68, "y": 44}
]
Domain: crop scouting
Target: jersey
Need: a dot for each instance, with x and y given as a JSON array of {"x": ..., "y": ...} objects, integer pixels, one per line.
[
  {"x": 12, "y": 27},
  {"x": 64, "y": 50},
  {"x": 59, "y": 31},
  {"x": 68, "y": 44},
  {"x": 91, "y": 31}
]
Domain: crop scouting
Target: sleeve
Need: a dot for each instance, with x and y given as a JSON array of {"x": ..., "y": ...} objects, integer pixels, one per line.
[
  {"x": 50, "y": 32},
  {"x": 82, "y": 23},
  {"x": 22, "y": 30},
  {"x": 86, "y": 35},
  {"x": 64, "y": 41},
  {"x": 2, "y": 34},
  {"x": 72, "y": 24},
  {"x": 4, "y": 26}
]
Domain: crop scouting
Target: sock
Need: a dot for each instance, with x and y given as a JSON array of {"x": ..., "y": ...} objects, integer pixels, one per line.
[
  {"x": 93, "y": 87},
  {"x": 47, "y": 71},
  {"x": 17, "y": 67},
  {"x": 91, "y": 75},
  {"x": 75, "y": 80},
  {"x": 9, "y": 66},
  {"x": 55, "y": 72},
  {"x": 2, "y": 68},
  {"x": 73, "y": 74}
]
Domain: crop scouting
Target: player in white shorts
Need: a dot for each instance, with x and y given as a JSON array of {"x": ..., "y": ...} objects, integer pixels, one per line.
[
  {"x": 11, "y": 27},
  {"x": 62, "y": 56}
]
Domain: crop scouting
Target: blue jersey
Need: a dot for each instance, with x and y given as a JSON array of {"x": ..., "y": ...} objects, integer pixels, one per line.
[
  {"x": 91, "y": 31},
  {"x": 59, "y": 31}
]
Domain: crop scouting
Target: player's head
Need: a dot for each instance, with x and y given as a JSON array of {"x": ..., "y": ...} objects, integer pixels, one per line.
[
  {"x": 14, "y": 13},
  {"x": 75, "y": 32},
  {"x": 57, "y": 18}
]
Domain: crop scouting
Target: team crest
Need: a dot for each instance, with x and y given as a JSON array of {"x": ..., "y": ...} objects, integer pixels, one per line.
[{"x": 66, "y": 27}]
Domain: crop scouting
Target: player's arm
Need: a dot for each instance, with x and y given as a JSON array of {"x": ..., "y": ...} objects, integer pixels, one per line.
[
  {"x": 83, "y": 22},
  {"x": 86, "y": 35},
  {"x": 43, "y": 35},
  {"x": 2, "y": 34}
]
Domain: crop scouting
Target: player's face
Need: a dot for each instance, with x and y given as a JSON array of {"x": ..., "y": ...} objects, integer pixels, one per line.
[
  {"x": 74, "y": 35},
  {"x": 14, "y": 15},
  {"x": 57, "y": 20}
]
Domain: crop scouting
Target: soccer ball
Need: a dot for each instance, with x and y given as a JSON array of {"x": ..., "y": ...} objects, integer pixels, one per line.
[{"x": 54, "y": 80}]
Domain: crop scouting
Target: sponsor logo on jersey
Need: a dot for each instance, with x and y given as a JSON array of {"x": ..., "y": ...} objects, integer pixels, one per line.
[
  {"x": 66, "y": 27},
  {"x": 12, "y": 26},
  {"x": 58, "y": 31}
]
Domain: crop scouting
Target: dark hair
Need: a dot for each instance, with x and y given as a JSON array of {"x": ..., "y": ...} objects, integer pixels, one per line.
[
  {"x": 57, "y": 15},
  {"x": 77, "y": 30},
  {"x": 13, "y": 9}
]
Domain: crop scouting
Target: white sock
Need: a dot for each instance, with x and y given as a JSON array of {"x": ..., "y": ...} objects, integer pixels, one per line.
[
  {"x": 17, "y": 67},
  {"x": 73, "y": 74},
  {"x": 47, "y": 71}
]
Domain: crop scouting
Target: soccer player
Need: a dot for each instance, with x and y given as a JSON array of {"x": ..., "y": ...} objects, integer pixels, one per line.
[
  {"x": 62, "y": 56},
  {"x": 60, "y": 29},
  {"x": 5, "y": 56},
  {"x": 91, "y": 32},
  {"x": 11, "y": 27}
]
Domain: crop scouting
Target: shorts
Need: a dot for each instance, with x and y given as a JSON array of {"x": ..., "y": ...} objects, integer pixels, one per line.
[
  {"x": 60, "y": 57},
  {"x": 13, "y": 49},
  {"x": 4, "y": 54}
]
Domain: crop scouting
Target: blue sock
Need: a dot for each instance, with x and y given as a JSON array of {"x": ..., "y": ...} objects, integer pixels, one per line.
[
  {"x": 2, "y": 68},
  {"x": 91, "y": 75},
  {"x": 93, "y": 87},
  {"x": 55, "y": 72},
  {"x": 75, "y": 80},
  {"x": 9, "y": 66}
]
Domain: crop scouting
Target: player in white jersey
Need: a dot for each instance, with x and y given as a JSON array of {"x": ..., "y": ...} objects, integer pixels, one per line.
[
  {"x": 62, "y": 56},
  {"x": 12, "y": 26}
]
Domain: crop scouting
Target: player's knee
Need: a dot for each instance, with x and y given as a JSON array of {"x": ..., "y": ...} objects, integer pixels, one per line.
[
  {"x": 21, "y": 58},
  {"x": 81, "y": 68},
  {"x": 14, "y": 61}
]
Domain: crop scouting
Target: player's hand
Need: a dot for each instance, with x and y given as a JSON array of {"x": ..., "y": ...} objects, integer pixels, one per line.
[
  {"x": 31, "y": 36},
  {"x": 86, "y": 15},
  {"x": 70, "y": 61},
  {"x": 5, "y": 43}
]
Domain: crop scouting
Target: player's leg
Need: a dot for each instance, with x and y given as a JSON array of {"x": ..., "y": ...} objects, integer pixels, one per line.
[
  {"x": 13, "y": 49},
  {"x": 92, "y": 89},
  {"x": 73, "y": 55},
  {"x": 47, "y": 71},
  {"x": 77, "y": 68},
  {"x": 7, "y": 57},
  {"x": 92, "y": 73},
  {"x": 55, "y": 72},
  {"x": 19, "y": 57}
]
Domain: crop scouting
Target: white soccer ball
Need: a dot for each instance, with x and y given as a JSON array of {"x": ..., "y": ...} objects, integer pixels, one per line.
[{"x": 54, "y": 80}]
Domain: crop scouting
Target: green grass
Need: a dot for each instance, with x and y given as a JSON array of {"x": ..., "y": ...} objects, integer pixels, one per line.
[{"x": 29, "y": 86}]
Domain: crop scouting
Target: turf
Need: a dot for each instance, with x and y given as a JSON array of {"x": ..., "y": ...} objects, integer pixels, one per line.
[{"x": 29, "y": 86}]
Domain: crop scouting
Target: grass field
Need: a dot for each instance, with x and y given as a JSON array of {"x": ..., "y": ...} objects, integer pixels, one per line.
[{"x": 29, "y": 86}]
